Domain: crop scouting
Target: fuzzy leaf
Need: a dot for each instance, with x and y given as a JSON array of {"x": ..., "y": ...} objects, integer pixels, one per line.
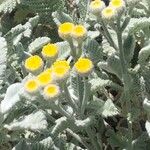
[
  {"x": 99, "y": 84},
  {"x": 64, "y": 50},
  {"x": 3, "y": 57},
  {"x": 35, "y": 121},
  {"x": 115, "y": 140},
  {"x": 137, "y": 24},
  {"x": 22, "y": 145},
  {"x": 45, "y": 144},
  {"x": 93, "y": 50},
  {"x": 11, "y": 97},
  {"x": 147, "y": 126},
  {"x": 112, "y": 65},
  {"x": 61, "y": 124},
  {"x": 129, "y": 45},
  {"x": 144, "y": 54},
  {"x": 61, "y": 17},
  {"x": 8, "y": 5},
  {"x": 37, "y": 44},
  {"x": 109, "y": 109}
]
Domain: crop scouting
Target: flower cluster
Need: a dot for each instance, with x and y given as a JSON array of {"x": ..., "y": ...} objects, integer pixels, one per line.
[
  {"x": 68, "y": 30},
  {"x": 98, "y": 8},
  {"x": 48, "y": 80}
]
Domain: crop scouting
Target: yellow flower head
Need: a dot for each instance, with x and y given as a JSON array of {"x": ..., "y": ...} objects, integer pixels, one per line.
[
  {"x": 96, "y": 6},
  {"x": 51, "y": 91},
  {"x": 33, "y": 63},
  {"x": 65, "y": 30},
  {"x": 31, "y": 86},
  {"x": 60, "y": 69},
  {"x": 117, "y": 4},
  {"x": 79, "y": 31},
  {"x": 44, "y": 78},
  {"x": 83, "y": 66},
  {"x": 108, "y": 13},
  {"x": 50, "y": 51}
]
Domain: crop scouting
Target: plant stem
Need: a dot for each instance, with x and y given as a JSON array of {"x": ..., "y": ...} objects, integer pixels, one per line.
[
  {"x": 61, "y": 110},
  {"x": 85, "y": 96},
  {"x": 73, "y": 49},
  {"x": 107, "y": 35},
  {"x": 126, "y": 80},
  {"x": 70, "y": 100},
  {"x": 79, "y": 81}
]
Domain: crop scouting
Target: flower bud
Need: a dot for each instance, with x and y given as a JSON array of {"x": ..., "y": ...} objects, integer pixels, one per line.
[
  {"x": 96, "y": 7},
  {"x": 118, "y": 5},
  {"x": 108, "y": 13}
]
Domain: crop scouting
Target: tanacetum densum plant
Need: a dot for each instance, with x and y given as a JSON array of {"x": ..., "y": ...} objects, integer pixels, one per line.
[{"x": 91, "y": 91}]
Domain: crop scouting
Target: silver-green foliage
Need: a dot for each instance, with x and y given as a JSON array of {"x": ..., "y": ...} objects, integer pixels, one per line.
[{"x": 105, "y": 109}]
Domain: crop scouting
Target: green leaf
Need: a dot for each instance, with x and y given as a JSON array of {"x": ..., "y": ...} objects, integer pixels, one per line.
[
  {"x": 147, "y": 126},
  {"x": 61, "y": 124},
  {"x": 47, "y": 144},
  {"x": 141, "y": 142},
  {"x": 11, "y": 97},
  {"x": 137, "y": 24},
  {"x": 99, "y": 84},
  {"x": 82, "y": 6},
  {"x": 144, "y": 54},
  {"x": 64, "y": 50},
  {"x": 60, "y": 17},
  {"x": 35, "y": 121},
  {"x": 116, "y": 140},
  {"x": 8, "y": 5},
  {"x": 128, "y": 47},
  {"x": 22, "y": 145},
  {"x": 112, "y": 65},
  {"x": 109, "y": 109},
  {"x": 93, "y": 50},
  {"x": 3, "y": 57}
]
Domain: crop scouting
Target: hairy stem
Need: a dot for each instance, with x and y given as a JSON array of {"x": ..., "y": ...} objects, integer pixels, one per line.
[
  {"x": 126, "y": 80},
  {"x": 107, "y": 35},
  {"x": 68, "y": 96},
  {"x": 85, "y": 96}
]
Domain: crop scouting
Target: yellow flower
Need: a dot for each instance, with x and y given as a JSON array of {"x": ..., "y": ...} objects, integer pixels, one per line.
[
  {"x": 60, "y": 69},
  {"x": 83, "y": 66},
  {"x": 50, "y": 51},
  {"x": 117, "y": 4},
  {"x": 96, "y": 7},
  {"x": 51, "y": 91},
  {"x": 44, "y": 78},
  {"x": 33, "y": 64},
  {"x": 108, "y": 13},
  {"x": 63, "y": 63},
  {"x": 65, "y": 30},
  {"x": 31, "y": 86},
  {"x": 79, "y": 32}
]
